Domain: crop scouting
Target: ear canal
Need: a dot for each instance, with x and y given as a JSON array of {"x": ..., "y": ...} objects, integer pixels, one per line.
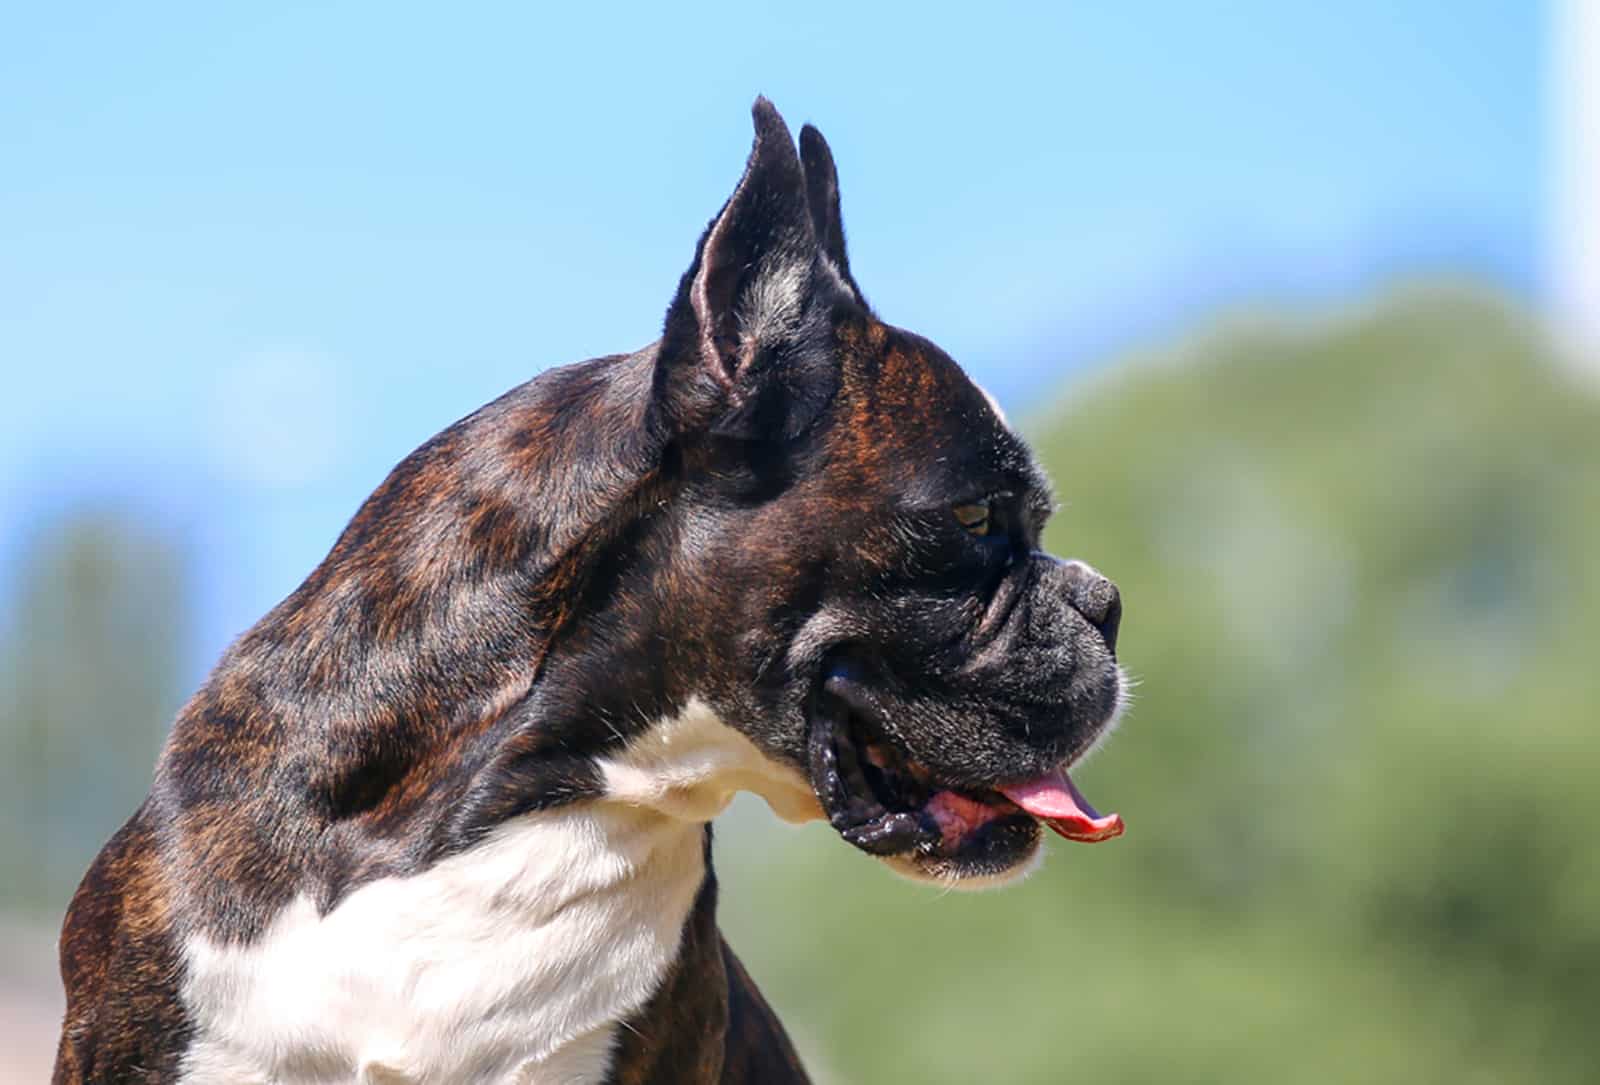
[{"x": 822, "y": 199}]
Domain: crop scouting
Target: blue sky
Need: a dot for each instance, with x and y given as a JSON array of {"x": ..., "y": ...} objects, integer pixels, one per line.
[{"x": 249, "y": 258}]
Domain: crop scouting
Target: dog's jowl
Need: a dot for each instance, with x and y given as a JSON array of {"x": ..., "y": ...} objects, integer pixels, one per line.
[{"x": 443, "y": 814}]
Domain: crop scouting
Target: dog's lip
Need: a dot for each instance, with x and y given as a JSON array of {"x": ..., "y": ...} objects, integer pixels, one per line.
[
  {"x": 858, "y": 785},
  {"x": 946, "y": 817}
]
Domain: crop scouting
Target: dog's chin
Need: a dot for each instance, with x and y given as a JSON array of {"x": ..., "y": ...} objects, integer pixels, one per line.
[
  {"x": 888, "y": 805},
  {"x": 1000, "y": 853}
]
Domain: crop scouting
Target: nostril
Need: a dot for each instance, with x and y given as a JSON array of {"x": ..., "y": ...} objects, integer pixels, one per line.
[{"x": 1096, "y": 598}]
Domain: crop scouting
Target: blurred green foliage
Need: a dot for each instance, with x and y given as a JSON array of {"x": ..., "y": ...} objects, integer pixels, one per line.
[
  {"x": 90, "y": 648},
  {"x": 1361, "y": 568}
]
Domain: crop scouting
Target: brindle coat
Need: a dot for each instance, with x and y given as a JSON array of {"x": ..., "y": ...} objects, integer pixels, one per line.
[{"x": 531, "y": 587}]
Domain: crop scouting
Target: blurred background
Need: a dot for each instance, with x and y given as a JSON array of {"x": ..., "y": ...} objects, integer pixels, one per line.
[{"x": 1300, "y": 303}]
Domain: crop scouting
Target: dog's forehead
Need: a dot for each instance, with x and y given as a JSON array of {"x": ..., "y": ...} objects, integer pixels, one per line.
[{"x": 912, "y": 405}]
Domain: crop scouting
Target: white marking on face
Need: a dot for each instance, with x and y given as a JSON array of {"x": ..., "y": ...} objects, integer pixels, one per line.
[{"x": 512, "y": 961}]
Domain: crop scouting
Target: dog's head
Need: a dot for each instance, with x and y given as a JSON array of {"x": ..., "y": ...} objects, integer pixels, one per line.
[{"x": 859, "y": 548}]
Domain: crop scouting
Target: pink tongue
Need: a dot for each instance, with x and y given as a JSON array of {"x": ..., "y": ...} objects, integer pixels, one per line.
[{"x": 1054, "y": 800}]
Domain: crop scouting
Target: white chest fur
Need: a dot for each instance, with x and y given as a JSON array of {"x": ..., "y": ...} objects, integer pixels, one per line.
[{"x": 511, "y": 962}]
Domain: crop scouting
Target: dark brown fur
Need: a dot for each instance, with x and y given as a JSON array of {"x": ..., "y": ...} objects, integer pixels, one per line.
[{"x": 708, "y": 1022}]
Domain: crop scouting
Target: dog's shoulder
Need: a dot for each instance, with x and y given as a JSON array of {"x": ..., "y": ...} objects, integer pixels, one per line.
[
  {"x": 758, "y": 1048},
  {"x": 707, "y": 1022},
  {"x": 119, "y": 943}
]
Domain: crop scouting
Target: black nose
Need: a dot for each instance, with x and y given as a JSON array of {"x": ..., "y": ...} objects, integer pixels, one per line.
[{"x": 1096, "y": 598}]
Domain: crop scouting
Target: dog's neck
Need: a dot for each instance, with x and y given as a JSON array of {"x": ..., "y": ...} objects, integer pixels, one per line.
[
  {"x": 558, "y": 874},
  {"x": 689, "y": 767},
  {"x": 523, "y": 955}
]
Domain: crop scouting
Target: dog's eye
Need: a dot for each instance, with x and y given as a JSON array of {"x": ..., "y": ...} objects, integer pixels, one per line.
[{"x": 975, "y": 518}]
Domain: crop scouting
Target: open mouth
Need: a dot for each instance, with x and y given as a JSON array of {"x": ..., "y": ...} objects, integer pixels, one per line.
[{"x": 884, "y": 802}]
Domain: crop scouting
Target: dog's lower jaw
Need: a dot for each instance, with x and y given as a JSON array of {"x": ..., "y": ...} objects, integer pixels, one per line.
[{"x": 520, "y": 959}]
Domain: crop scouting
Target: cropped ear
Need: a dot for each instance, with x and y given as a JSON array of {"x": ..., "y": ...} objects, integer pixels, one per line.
[
  {"x": 742, "y": 353},
  {"x": 753, "y": 268},
  {"x": 822, "y": 197}
]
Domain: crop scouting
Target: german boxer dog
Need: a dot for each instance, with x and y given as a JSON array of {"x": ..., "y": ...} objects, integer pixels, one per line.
[{"x": 444, "y": 814}]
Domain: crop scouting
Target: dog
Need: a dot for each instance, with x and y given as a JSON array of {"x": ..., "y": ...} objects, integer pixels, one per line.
[{"x": 443, "y": 815}]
